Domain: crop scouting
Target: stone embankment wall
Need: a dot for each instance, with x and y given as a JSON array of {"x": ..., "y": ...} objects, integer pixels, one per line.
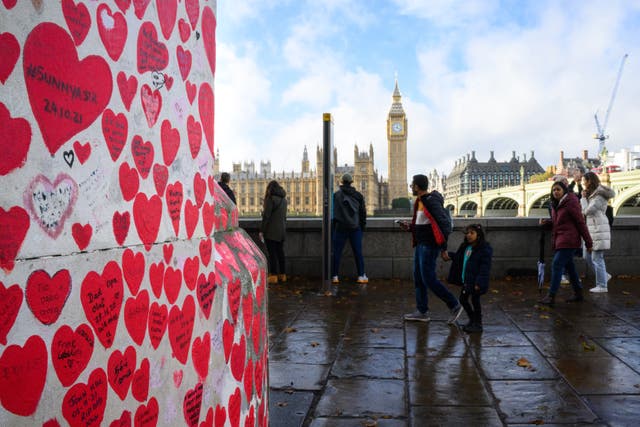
[{"x": 128, "y": 294}]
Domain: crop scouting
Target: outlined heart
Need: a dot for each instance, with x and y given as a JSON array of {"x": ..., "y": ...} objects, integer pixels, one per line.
[
  {"x": 152, "y": 54},
  {"x": 50, "y": 53},
  {"x": 184, "y": 61},
  {"x": 46, "y": 296},
  {"x": 10, "y": 302},
  {"x": 160, "y": 178},
  {"x": 71, "y": 351},
  {"x": 136, "y": 312},
  {"x": 156, "y": 278},
  {"x": 120, "y": 369},
  {"x": 206, "y": 292},
  {"x": 101, "y": 297},
  {"x": 167, "y": 11},
  {"x": 78, "y": 20},
  {"x": 147, "y": 215},
  {"x": 192, "y": 405},
  {"x": 194, "y": 133},
  {"x": 172, "y": 284},
  {"x": 83, "y": 151},
  {"x": 115, "y": 129},
  {"x": 143, "y": 154},
  {"x": 10, "y": 49},
  {"x": 51, "y": 203},
  {"x": 158, "y": 318},
  {"x": 180, "y": 328},
  {"x": 24, "y": 371},
  {"x": 133, "y": 269},
  {"x": 170, "y": 138},
  {"x": 84, "y": 404},
  {"x": 151, "y": 104},
  {"x": 14, "y": 133},
  {"x": 129, "y": 181},
  {"x": 209, "y": 36},
  {"x": 147, "y": 415},
  {"x": 200, "y": 353},
  {"x": 206, "y": 107},
  {"x": 140, "y": 383},
  {"x": 128, "y": 88},
  {"x": 121, "y": 223},
  {"x": 190, "y": 271},
  {"x": 174, "y": 196},
  {"x": 113, "y": 30},
  {"x": 82, "y": 234}
]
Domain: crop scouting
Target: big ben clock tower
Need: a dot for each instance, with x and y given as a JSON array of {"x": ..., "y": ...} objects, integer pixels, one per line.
[{"x": 397, "y": 139}]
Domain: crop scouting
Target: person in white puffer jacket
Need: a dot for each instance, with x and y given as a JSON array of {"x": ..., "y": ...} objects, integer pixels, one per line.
[{"x": 595, "y": 197}]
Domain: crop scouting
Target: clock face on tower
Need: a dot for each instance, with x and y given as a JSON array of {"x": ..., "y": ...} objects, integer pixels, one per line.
[{"x": 396, "y": 127}]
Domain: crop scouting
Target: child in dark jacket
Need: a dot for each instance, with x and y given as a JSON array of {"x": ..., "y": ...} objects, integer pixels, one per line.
[{"x": 470, "y": 269}]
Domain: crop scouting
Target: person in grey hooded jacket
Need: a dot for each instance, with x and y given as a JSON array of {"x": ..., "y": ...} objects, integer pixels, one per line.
[
  {"x": 595, "y": 197},
  {"x": 274, "y": 229}
]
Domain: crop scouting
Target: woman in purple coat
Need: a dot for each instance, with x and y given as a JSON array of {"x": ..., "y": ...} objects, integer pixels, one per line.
[{"x": 568, "y": 227}]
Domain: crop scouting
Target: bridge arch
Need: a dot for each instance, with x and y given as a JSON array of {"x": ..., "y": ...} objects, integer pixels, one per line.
[
  {"x": 501, "y": 207},
  {"x": 628, "y": 202},
  {"x": 468, "y": 208},
  {"x": 538, "y": 206}
]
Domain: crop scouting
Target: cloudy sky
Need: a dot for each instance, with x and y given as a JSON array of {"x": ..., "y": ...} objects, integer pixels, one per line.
[{"x": 510, "y": 75}]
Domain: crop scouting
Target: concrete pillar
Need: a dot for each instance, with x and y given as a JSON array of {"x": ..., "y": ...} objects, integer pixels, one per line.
[{"x": 127, "y": 291}]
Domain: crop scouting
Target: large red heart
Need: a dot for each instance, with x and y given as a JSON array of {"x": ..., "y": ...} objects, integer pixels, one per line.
[
  {"x": 50, "y": 203},
  {"x": 206, "y": 292},
  {"x": 167, "y": 11},
  {"x": 199, "y": 189},
  {"x": 140, "y": 383},
  {"x": 172, "y": 284},
  {"x": 228, "y": 332},
  {"x": 184, "y": 61},
  {"x": 129, "y": 181},
  {"x": 66, "y": 95},
  {"x": 193, "y": 11},
  {"x": 78, "y": 20},
  {"x": 174, "y": 196},
  {"x": 82, "y": 234},
  {"x": 151, "y": 104},
  {"x": 46, "y": 296},
  {"x": 143, "y": 154},
  {"x": 113, "y": 30},
  {"x": 190, "y": 271},
  {"x": 10, "y": 52},
  {"x": 157, "y": 323},
  {"x": 156, "y": 278},
  {"x": 133, "y": 269},
  {"x": 160, "y": 178},
  {"x": 194, "y": 132},
  {"x": 84, "y": 404},
  {"x": 152, "y": 54},
  {"x": 128, "y": 88},
  {"x": 147, "y": 214},
  {"x": 191, "y": 217},
  {"x": 206, "y": 107},
  {"x": 101, "y": 297},
  {"x": 121, "y": 223},
  {"x": 140, "y": 6},
  {"x": 15, "y": 138},
  {"x": 136, "y": 311},
  {"x": 238, "y": 357},
  {"x": 115, "y": 130},
  {"x": 248, "y": 380},
  {"x": 24, "y": 371},
  {"x": 83, "y": 151},
  {"x": 235, "y": 400},
  {"x": 14, "y": 224},
  {"x": 120, "y": 369},
  {"x": 205, "y": 251},
  {"x": 181, "y": 327},
  {"x": 170, "y": 138},
  {"x": 221, "y": 415},
  {"x": 200, "y": 353},
  {"x": 185, "y": 30},
  {"x": 209, "y": 36},
  {"x": 192, "y": 405},
  {"x": 10, "y": 302},
  {"x": 147, "y": 415},
  {"x": 71, "y": 351}
]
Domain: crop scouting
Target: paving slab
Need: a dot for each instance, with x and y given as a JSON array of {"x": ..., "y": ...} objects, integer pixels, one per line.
[
  {"x": 358, "y": 422},
  {"x": 625, "y": 349},
  {"x": 298, "y": 376},
  {"x": 514, "y": 363},
  {"x": 363, "y": 398},
  {"x": 369, "y": 362},
  {"x": 434, "y": 339},
  {"x": 617, "y": 410},
  {"x": 565, "y": 343},
  {"x": 289, "y": 408},
  {"x": 428, "y": 416},
  {"x": 598, "y": 375},
  {"x": 358, "y": 336}
]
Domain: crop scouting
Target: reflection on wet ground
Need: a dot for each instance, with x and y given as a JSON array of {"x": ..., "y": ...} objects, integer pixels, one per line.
[{"x": 349, "y": 359}]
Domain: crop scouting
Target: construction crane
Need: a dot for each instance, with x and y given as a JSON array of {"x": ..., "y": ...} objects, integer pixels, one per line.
[{"x": 601, "y": 135}]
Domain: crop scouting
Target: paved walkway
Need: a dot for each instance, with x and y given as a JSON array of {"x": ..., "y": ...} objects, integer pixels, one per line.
[{"x": 350, "y": 360}]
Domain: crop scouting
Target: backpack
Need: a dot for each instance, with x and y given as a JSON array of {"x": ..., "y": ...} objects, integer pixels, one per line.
[
  {"x": 609, "y": 214},
  {"x": 347, "y": 208}
]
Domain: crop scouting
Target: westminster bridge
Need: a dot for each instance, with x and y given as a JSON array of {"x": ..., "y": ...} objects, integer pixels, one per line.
[{"x": 532, "y": 200}]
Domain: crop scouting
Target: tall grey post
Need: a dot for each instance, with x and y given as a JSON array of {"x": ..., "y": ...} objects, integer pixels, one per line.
[{"x": 327, "y": 193}]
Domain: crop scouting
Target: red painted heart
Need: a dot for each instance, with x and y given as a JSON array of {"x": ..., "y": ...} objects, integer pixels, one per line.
[
  {"x": 185, "y": 30},
  {"x": 238, "y": 357},
  {"x": 228, "y": 332},
  {"x": 129, "y": 181},
  {"x": 140, "y": 6},
  {"x": 200, "y": 353},
  {"x": 10, "y": 52},
  {"x": 190, "y": 271},
  {"x": 83, "y": 151},
  {"x": 205, "y": 251},
  {"x": 248, "y": 381},
  {"x": 9, "y": 4},
  {"x": 247, "y": 312},
  {"x": 158, "y": 316},
  {"x": 208, "y": 420},
  {"x": 180, "y": 328},
  {"x": 10, "y": 302},
  {"x": 177, "y": 378},
  {"x": 192, "y": 404},
  {"x": 123, "y": 5},
  {"x": 206, "y": 107},
  {"x": 66, "y": 94},
  {"x": 46, "y": 296},
  {"x": 174, "y": 198},
  {"x": 234, "y": 288},
  {"x": 167, "y": 252},
  {"x": 250, "y": 419},
  {"x": 191, "y": 89},
  {"x": 78, "y": 20},
  {"x": 143, "y": 154},
  {"x": 172, "y": 284},
  {"x": 121, "y": 223},
  {"x": 199, "y": 189},
  {"x": 167, "y": 11},
  {"x": 112, "y": 28},
  {"x": 208, "y": 218},
  {"x": 123, "y": 421},
  {"x": 152, "y": 54},
  {"x": 221, "y": 416},
  {"x": 259, "y": 377},
  {"x": 81, "y": 234},
  {"x": 101, "y": 298},
  {"x": 151, "y": 104},
  {"x": 136, "y": 311},
  {"x": 235, "y": 400},
  {"x": 84, "y": 404},
  {"x": 120, "y": 369},
  {"x": 140, "y": 383},
  {"x": 194, "y": 132},
  {"x": 206, "y": 293},
  {"x": 170, "y": 138},
  {"x": 191, "y": 217},
  {"x": 14, "y": 133},
  {"x": 147, "y": 214},
  {"x": 209, "y": 36},
  {"x": 115, "y": 129},
  {"x": 147, "y": 415},
  {"x": 14, "y": 224},
  {"x": 133, "y": 269},
  {"x": 71, "y": 351},
  {"x": 128, "y": 88},
  {"x": 184, "y": 61},
  {"x": 160, "y": 178},
  {"x": 156, "y": 278},
  {"x": 193, "y": 11}
]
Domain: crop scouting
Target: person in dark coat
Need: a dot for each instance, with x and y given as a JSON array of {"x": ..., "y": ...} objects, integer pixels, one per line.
[
  {"x": 224, "y": 184},
  {"x": 274, "y": 229},
  {"x": 471, "y": 268},
  {"x": 568, "y": 227}
]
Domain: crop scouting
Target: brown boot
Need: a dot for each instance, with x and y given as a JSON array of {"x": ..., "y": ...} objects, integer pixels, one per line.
[
  {"x": 282, "y": 278},
  {"x": 272, "y": 279},
  {"x": 548, "y": 299}
]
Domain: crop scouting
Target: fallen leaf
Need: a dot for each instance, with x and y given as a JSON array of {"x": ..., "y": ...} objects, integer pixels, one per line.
[
  {"x": 375, "y": 330},
  {"x": 544, "y": 316},
  {"x": 289, "y": 330},
  {"x": 315, "y": 344},
  {"x": 523, "y": 363},
  {"x": 282, "y": 404},
  {"x": 495, "y": 291},
  {"x": 626, "y": 293},
  {"x": 588, "y": 347}
]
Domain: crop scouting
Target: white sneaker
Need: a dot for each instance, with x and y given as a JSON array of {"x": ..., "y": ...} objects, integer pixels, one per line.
[
  {"x": 455, "y": 313},
  {"x": 335, "y": 280},
  {"x": 599, "y": 289},
  {"x": 608, "y": 277},
  {"x": 416, "y": 316},
  {"x": 564, "y": 280},
  {"x": 363, "y": 280}
]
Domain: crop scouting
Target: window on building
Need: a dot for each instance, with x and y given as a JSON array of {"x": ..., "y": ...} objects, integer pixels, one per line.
[
  {"x": 306, "y": 200},
  {"x": 251, "y": 200},
  {"x": 297, "y": 200},
  {"x": 363, "y": 185},
  {"x": 244, "y": 201},
  {"x": 306, "y": 187},
  {"x": 363, "y": 169}
]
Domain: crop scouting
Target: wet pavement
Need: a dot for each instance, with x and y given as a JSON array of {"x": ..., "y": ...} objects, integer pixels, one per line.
[{"x": 350, "y": 360}]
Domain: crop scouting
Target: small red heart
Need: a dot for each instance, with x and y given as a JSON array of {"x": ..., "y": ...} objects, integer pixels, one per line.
[
  {"x": 167, "y": 252},
  {"x": 190, "y": 271},
  {"x": 83, "y": 151},
  {"x": 140, "y": 383},
  {"x": 191, "y": 217},
  {"x": 177, "y": 378},
  {"x": 238, "y": 357},
  {"x": 185, "y": 30},
  {"x": 82, "y": 234},
  {"x": 250, "y": 419},
  {"x": 160, "y": 178},
  {"x": 71, "y": 351},
  {"x": 14, "y": 224},
  {"x": 208, "y": 217},
  {"x": 170, "y": 138},
  {"x": 191, "y": 89},
  {"x": 128, "y": 88},
  {"x": 136, "y": 311},
  {"x": 10, "y": 49},
  {"x": 206, "y": 107},
  {"x": 24, "y": 371},
  {"x": 200, "y": 353},
  {"x": 206, "y": 293},
  {"x": 121, "y": 223},
  {"x": 10, "y": 302},
  {"x": 158, "y": 316},
  {"x": 194, "y": 132},
  {"x": 192, "y": 404},
  {"x": 235, "y": 401},
  {"x": 221, "y": 415},
  {"x": 147, "y": 215},
  {"x": 167, "y": 11},
  {"x": 133, "y": 269},
  {"x": 180, "y": 328},
  {"x": 140, "y": 6},
  {"x": 174, "y": 198},
  {"x": 16, "y": 133},
  {"x": 47, "y": 296},
  {"x": 209, "y": 36},
  {"x": 142, "y": 155},
  {"x": 147, "y": 415},
  {"x": 123, "y": 5},
  {"x": 205, "y": 251},
  {"x": 168, "y": 81},
  {"x": 120, "y": 368},
  {"x": 101, "y": 297},
  {"x": 172, "y": 284},
  {"x": 84, "y": 404},
  {"x": 78, "y": 20},
  {"x": 112, "y": 28},
  {"x": 129, "y": 181},
  {"x": 151, "y": 104},
  {"x": 247, "y": 312},
  {"x": 184, "y": 61},
  {"x": 259, "y": 377},
  {"x": 152, "y": 54},
  {"x": 9, "y": 4},
  {"x": 123, "y": 421},
  {"x": 248, "y": 380},
  {"x": 212, "y": 185},
  {"x": 228, "y": 332},
  {"x": 199, "y": 189},
  {"x": 115, "y": 129},
  {"x": 208, "y": 421},
  {"x": 156, "y": 278}
]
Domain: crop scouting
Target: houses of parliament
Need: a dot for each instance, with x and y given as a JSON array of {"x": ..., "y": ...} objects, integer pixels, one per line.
[{"x": 304, "y": 188}]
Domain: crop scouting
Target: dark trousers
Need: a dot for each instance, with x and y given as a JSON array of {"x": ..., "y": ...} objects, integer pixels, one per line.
[
  {"x": 276, "y": 256},
  {"x": 473, "y": 310}
]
